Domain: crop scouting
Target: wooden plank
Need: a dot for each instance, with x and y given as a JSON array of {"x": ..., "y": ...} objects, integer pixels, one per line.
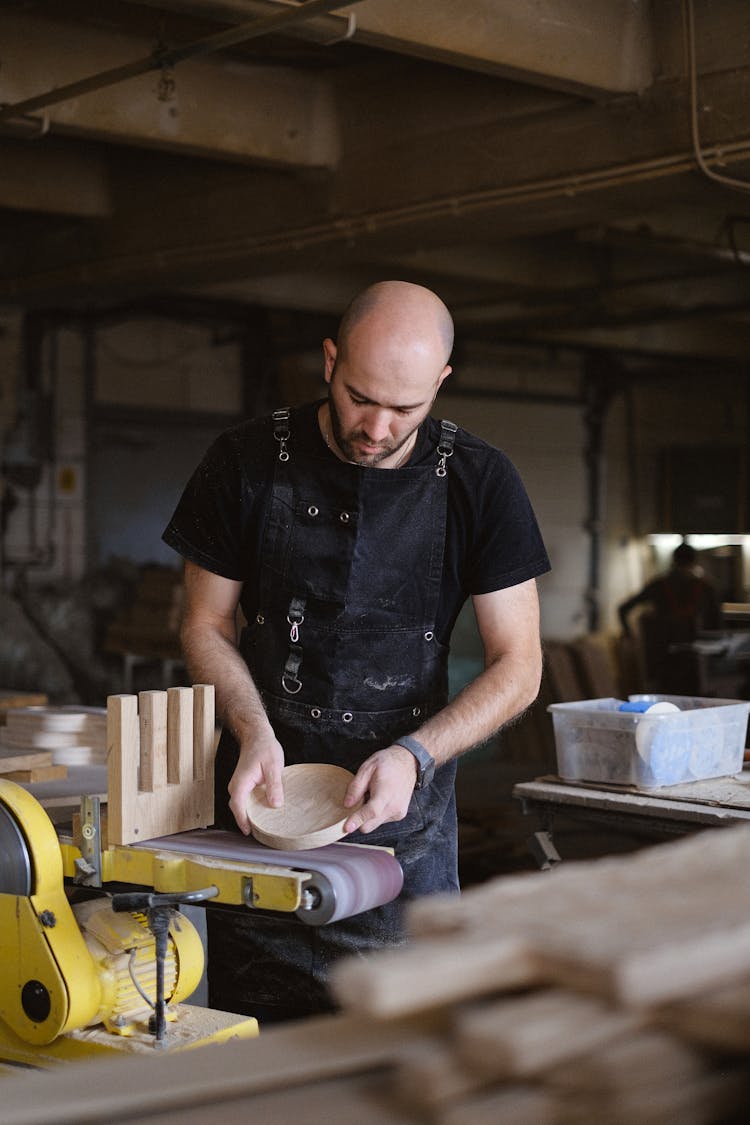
[
  {"x": 646, "y": 1059},
  {"x": 123, "y": 754},
  {"x": 11, "y": 759},
  {"x": 691, "y": 941},
  {"x": 37, "y": 773},
  {"x": 283, "y": 1058},
  {"x": 203, "y": 731},
  {"x": 152, "y": 715},
  {"x": 429, "y": 974},
  {"x": 179, "y": 734},
  {"x": 430, "y": 1076},
  {"x": 10, "y": 699},
  {"x": 522, "y": 1037},
  {"x": 719, "y": 1019},
  {"x": 506, "y": 1105}
]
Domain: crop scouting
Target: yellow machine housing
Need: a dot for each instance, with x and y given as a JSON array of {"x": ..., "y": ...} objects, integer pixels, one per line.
[{"x": 66, "y": 968}]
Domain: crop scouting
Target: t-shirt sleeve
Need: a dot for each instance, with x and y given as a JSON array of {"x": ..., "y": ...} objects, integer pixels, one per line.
[
  {"x": 208, "y": 524},
  {"x": 508, "y": 548}
]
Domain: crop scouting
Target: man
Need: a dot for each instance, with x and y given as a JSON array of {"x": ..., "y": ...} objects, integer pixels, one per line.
[
  {"x": 350, "y": 532},
  {"x": 679, "y": 605}
]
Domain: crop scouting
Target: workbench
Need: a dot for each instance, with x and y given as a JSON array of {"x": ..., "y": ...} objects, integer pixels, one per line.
[{"x": 674, "y": 810}]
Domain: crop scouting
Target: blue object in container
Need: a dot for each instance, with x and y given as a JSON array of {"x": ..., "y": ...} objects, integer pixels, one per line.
[{"x": 639, "y": 705}]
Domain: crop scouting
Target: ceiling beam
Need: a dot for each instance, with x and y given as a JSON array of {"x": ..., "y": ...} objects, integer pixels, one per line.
[
  {"x": 51, "y": 179},
  {"x": 573, "y": 45},
  {"x": 216, "y": 107}
]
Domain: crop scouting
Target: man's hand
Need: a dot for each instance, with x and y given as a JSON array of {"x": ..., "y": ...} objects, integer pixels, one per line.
[
  {"x": 389, "y": 777},
  {"x": 260, "y": 763}
]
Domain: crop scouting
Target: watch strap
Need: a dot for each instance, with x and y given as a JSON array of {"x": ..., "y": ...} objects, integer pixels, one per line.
[{"x": 424, "y": 759}]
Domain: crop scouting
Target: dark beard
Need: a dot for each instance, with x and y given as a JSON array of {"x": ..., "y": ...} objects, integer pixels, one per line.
[{"x": 347, "y": 447}]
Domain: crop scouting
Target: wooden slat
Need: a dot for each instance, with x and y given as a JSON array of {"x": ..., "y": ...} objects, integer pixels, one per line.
[
  {"x": 506, "y": 1105},
  {"x": 11, "y": 759},
  {"x": 430, "y": 1076},
  {"x": 123, "y": 755},
  {"x": 412, "y": 979},
  {"x": 152, "y": 713},
  {"x": 36, "y": 773},
  {"x": 203, "y": 731},
  {"x": 179, "y": 734},
  {"x": 522, "y": 1037},
  {"x": 718, "y": 1019}
]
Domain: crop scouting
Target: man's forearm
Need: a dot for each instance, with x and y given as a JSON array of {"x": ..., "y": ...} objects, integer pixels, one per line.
[
  {"x": 212, "y": 657},
  {"x": 500, "y": 693}
]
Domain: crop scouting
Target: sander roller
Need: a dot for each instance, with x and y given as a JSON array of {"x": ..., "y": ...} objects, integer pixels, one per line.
[{"x": 345, "y": 879}]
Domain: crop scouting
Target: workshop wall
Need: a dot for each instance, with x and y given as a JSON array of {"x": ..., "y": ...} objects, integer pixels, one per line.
[{"x": 100, "y": 479}]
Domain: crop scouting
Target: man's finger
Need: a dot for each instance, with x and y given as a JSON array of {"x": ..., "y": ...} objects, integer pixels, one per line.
[
  {"x": 239, "y": 812},
  {"x": 362, "y": 821},
  {"x": 358, "y": 786},
  {"x": 274, "y": 790}
]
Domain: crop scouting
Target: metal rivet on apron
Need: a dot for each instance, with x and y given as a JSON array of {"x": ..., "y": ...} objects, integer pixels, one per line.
[
  {"x": 315, "y": 713},
  {"x": 428, "y": 636},
  {"x": 312, "y": 510},
  {"x": 260, "y": 619},
  {"x": 344, "y": 517},
  {"x": 416, "y": 712},
  {"x": 347, "y": 716}
]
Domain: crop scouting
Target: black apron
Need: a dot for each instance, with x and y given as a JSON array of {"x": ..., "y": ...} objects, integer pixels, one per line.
[{"x": 344, "y": 652}]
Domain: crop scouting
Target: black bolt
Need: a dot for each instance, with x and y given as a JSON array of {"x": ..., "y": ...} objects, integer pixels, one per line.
[{"x": 35, "y": 1000}]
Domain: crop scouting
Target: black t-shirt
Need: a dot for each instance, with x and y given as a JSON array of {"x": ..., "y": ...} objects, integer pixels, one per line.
[{"x": 492, "y": 537}]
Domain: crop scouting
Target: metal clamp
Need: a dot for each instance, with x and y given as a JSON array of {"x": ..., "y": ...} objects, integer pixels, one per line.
[
  {"x": 89, "y": 867},
  {"x": 281, "y": 431},
  {"x": 448, "y": 432}
]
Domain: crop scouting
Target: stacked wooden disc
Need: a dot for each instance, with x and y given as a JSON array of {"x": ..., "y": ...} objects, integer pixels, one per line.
[{"x": 70, "y": 735}]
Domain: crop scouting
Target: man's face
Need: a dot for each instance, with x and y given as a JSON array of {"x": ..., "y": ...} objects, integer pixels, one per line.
[{"x": 373, "y": 415}]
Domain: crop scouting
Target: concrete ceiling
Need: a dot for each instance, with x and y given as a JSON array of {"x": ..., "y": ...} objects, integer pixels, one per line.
[{"x": 547, "y": 166}]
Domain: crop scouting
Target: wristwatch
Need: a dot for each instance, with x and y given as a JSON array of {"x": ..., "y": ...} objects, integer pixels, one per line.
[{"x": 424, "y": 759}]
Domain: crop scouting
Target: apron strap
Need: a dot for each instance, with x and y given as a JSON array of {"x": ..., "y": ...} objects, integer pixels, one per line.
[
  {"x": 447, "y": 440},
  {"x": 290, "y": 680},
  {"x": 281, "y": 431}
]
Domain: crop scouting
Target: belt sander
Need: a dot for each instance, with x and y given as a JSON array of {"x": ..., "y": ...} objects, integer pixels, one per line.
[{"x": 97, "y": 955}]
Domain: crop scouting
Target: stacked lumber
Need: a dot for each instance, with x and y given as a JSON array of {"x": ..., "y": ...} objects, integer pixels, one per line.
[
  {"x": 599, "y": 991},
  {"x": 9, "y": 699},
  {"x": 69, "y": 735},
  {"x": 609, "y": 991},
  {"x": 34, "y": 766}
]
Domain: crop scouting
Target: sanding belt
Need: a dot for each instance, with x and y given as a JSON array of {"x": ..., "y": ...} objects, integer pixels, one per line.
[{"x": 350, "y": 878}]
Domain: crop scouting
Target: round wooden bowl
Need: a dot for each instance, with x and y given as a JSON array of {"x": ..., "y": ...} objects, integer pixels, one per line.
[{"x": 313, "y": 812}]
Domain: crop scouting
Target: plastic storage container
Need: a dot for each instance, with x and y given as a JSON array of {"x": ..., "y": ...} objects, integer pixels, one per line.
[{"x": 595, "y": 741}]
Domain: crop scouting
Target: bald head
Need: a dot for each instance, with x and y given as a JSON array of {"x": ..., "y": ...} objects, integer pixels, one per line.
[
  {"x": 384, "y": 372},
  {"x": 406, "y": 313}
]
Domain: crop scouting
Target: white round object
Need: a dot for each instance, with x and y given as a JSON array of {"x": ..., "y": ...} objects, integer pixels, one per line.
[
  {"x": 661, "y": 708},
  {"x": 644, "y": 729}
]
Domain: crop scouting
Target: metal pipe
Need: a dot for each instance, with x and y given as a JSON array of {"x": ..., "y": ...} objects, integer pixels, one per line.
[
  {"x": 168, "y": 57},
  {"x": 598, "y": 391},
  {"x": 318, "y": 29}
]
